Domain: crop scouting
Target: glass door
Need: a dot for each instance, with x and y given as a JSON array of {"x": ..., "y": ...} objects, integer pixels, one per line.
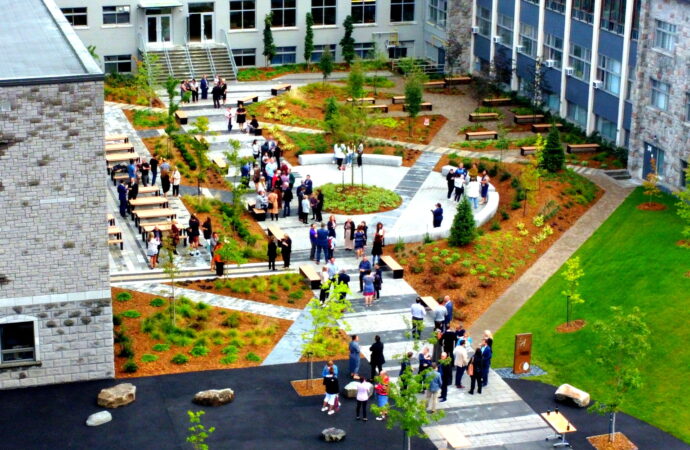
[
  {"x": 159, "y": 29},
  {"x": 200, "y": 22}
]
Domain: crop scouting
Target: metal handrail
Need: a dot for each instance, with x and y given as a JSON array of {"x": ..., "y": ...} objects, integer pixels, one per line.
[
  {"x": 167, "y": 62},
  {"x": 142, "y": 49},
  {"x": 209, "y": 55},
  {"x": 189, "y": 61},
  {"x": 232, "y": 58}
]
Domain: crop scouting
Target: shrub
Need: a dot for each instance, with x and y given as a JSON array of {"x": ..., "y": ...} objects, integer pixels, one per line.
[
  {"x": 251, "y": 356},
  {"x": 437, "y": 269},
  {"x": 229, "y": 359},
  {"x": 504, "y": 215},
  {"x": 505, "y": 176},
  {"x": 553, "y": 157},
  {"x": 515, "y": 204},
  {"x": 117, "y": 320},
  {"x": 126, "y": 350},
  {"x": 472, "y": 293},
  {"x": 237, "y": 342},
  {"x": 147, "y": 358},
  {"x": 161, "y": 348},
  {"x": 130, "y": 366},
  {"x": 200, "y": 350},
  {"x": 232, "y": 321},
  {"x": 179, "y": 359},
  {"x": 417, "y": 268},
  {"x": 463, "y": 230},
  {"x": 495, "y": 226},
  {"x": 123, "y": 297},
  {"x": 230, "y": 350},
  {"x": 157, "y": 302},
  {"x": 296, "y": 295},
  {"x": 131, "y": 314}
]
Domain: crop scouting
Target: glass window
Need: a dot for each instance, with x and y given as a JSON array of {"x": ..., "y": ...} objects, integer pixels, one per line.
[
  {"x": 76, "y": 16},
  {"x": 284, "y": 13},
  {"x": 115, "y": 15},
  {"x": 577, "y": 114},
  {"x": 683, "y": 172},
  {"x": 613, "y": 15},
  {"x": 364, "y": 49},
  {"x": 665, "y": 36},
  {"x": 579, "y": 59},
  {"x": 583, "y": 10},
  {"x": 201, "y": 7},
  {"x": 606, "y": 128},
  {"x": 242, "y": 14},
  {"x": 323, "y": 12},
  {"x": 660, "y": 92},
  {"x": 556, "y": 5},
  {"x": 553, "y": 49},
  {"x": 17, "y": 342},
  {"x": 484, "y": 21},
  {"x": 609, "y": 72},
  {"x": 244, "y": 56},
  {"x": 631, "y": 83},
  {"x": 364, "y": 11},
  {"x": 437, "y": 13},
  {"x": 118, "y": 63},
  {"x": 318, "y": 52},
  {"x": 285, "y": 55},
  {"x": 402, "y": 10},
  {"x": 552, "y": 101},
  {"x": 505, "y": 29},
  {"x": 528, "y": 39}
]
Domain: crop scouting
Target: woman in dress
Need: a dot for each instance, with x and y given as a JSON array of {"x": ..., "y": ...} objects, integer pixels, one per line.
[
  {"x": 286, "y": 250},
  {"x": 273, "y": 208},
  {"x": 354, "y": 356},
  {"x": 485, "y": 188},
  {"x": 331, "y": 226},
  {"x": 241, "y": 116},
  {"x": 369, "y": 291},
  {"x": 377, "y": 248},
  {"x": 165, "y": 182},
  {"x": 272, "y": 253},
  {"x": 349, "y": 234},
  {"x": 360, "y": 240},
  {"x": 193, "y": 234},
  {"x": 152, "y": 250}
]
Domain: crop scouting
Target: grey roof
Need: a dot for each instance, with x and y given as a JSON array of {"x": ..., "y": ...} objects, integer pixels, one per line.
[{"x": 38, "y": 44}]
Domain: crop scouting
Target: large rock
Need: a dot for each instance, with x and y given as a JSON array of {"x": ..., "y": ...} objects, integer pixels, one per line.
[
  {"x": 99, "y": 418},
  {"x": 578, "y": 396},
  {"x": 120, "y": 395},
  {"x": 214, "y": 397},
  {"x": 351, "y": 389},
  {"x": 333, "y": 434}
]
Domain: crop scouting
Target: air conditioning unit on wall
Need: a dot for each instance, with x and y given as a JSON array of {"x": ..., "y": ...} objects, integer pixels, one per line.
[
  {"x": 597, "y": 84},
  {"x": 475, "y": 30},
  {"x": 497, "y": 39},
  {"x": 549, "y": 63},
  {"x": 569, "y": 71},
  {"x": 519, "y": 48}
]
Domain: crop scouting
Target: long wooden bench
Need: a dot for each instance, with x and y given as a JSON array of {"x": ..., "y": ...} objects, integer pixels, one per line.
[
  {"x": 527, "y": 150},
  {"x": 119, "y": 242},
  {"x": 111, "y": 219},
  {"x": 540, "y": 127},
  {"x": 181, "y": 117},
  {"x": 113, "y": 158},
  {"x": 435, "y": 84},
  {"x": 430, "y": 302},
  {"x": 155, "y": 190},
  {"x": 114, "y": 148},
  {"x": 116, "y": 138},
  {"x": 383, "y": 108},
  {"x": 528, "y": 118},
  {"x": 582, "y": 148},
  {"x": 280, "y": 87},
  {"x": 456, "y": 81},
  {"x": 481, "y": 117},
  {"x": 393, "y": 265},
  {"x": 250, "y": 98},
  {"x": 502, "y": 101},
  {"x": 275, "y": 231},
  {"x": 155, "y": 213},
  {"x": 165, "y": 227},
  {"x": 158, "y": 202},
  {"x": 480, "y": 135},
  {"x": 116, "y": 234},
  {"x": 310, "y": 274},
  {"x": 426, "y": 106},
  {"x": 259, "y": 214},
  {"x": 398, "y": 99},
  {"x": 371, "y": 100},
  {"x": 115, "y": 177}
]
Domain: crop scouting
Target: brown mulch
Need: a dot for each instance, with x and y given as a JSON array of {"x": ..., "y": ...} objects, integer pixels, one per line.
[
  {"x": 143, "y": 343},
  {"x": 308, "y": 388},
  {"x": 621, "y": 442},
  {"x": 157, "y": 103},
  {"x": 651, "y": 206},
  {"x": 573, "y": 326}
]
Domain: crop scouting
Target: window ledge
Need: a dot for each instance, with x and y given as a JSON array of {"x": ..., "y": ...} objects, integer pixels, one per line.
[
  {"x": 663, "y": 51},
  {"x": 243, "y": 30},
  {"x": 325, "y": 27},
  {"x": 285, "y": 29},
  {"x": 80, "y": 27},
  {"x": 20, "y": 364},
  {"x": 654, "y": 109},
  {"x": 414, "y": 22},
  {"x": 364, "y": 25},
  {"x": 124, "y": 25}
]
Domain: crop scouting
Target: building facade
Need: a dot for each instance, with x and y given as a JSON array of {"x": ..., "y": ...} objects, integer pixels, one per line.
[{"x": 55, "y": 309}]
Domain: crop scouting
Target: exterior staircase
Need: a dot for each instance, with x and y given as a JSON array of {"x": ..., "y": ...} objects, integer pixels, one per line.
[
  {"x": 184, "y": 63},
  {"x": 618, "y": 174}
]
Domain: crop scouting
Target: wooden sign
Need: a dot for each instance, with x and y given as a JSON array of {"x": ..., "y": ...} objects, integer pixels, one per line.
[{"x": 522, "y": 359}]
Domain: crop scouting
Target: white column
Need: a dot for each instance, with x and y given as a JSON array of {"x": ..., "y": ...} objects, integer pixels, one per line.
[
  {"x": 472, "y": 39},
  {"x": 516, "y": 42},
  {"x": 494, "y": 29},
  {"x": 625, "y": 60},
  {"x": 594, "y": 62},
  {"x": 566, "y": 55},
  {"x": 540, "y": 30}
]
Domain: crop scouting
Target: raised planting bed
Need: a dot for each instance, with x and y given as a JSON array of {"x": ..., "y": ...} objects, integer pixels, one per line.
[{"x": 358, "y": 199}]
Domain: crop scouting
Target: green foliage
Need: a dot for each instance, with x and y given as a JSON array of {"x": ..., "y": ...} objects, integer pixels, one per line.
[
  {"x": 161, "y": 347},
  {"x": 200, "y": 204},
  {"x": 355, "y": 81},
  {"x": 126, "y": 350},
  {"x": 232, "y": 320},
  {"x": 148, "y": 357},
  {"x": 379, "y": 81},
  {"x": 253, "y": 357},
  {"x": 347, "y": 43},
  {"x": 582, "y": 190},
  {"x": 572, "y": 274},
  {"x": 414, "y": 93},
  {"x": 270, "y": 50},
  {"x": 199, "y": 350},
  {"x": 683, "y": 205},
  {"x": 131, "y": 314},
  {"x": 183, "y": 143},
  {"x": 463, "y": 230},
  {"x": 553, "y": 157},
  {"x": 179, "y": 359},
  {"x": 198, "y": 432},
  {"x": 123, "y": 297},
  {"x": 148, "y": 118},
  {"x": 326, "y": 63},
  {"x": 117, "y": 320},
  {"x": 309, "y": 38},
  {"x": 228, "y": 359},
  {"x": 371, "y": 199},
  {"x": 130, "y": 366},
  {"x": 310, "y": 141},
  {"x": 157, "y": 302}
]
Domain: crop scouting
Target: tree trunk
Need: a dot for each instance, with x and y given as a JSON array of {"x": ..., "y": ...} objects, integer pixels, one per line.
[
  {"x": 407, "y": 442},
  {"x": 612, "y": 427}
]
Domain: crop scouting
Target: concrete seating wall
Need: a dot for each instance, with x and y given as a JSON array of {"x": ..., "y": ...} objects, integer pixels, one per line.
[{"x": 327, "y": 158}]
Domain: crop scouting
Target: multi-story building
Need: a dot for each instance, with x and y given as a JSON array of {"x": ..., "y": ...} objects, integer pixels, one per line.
[{"x": 55, "y": 311}]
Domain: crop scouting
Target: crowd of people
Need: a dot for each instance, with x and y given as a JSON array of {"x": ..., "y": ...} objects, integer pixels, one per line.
[{"x": 470, "y": 183}]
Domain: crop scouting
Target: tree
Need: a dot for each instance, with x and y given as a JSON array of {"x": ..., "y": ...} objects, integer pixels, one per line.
[
  {"x": 529, "y": 179},
  {"x": 355, "y": 83},
  {"x": 536, "y": 83},
  {"x": 148, "y": 72},
  {"x": 463, "y": 231},
  {"x": 553, "y": 157},
  {"x": 619, "y": 355},
  {"x": 199, "y": 433},
  {"x": 92, "y": 51},
  {"x": 347, "y": 43},
  {"x": 414, "y": 93},
  {"x": 170, "y": 125},
  {"x": 377, "y": 61},
  {"x": 572, "y": 274},
  {"x": 309, "y": 39},
  {"x": 326, "y": 64},
  {"x": 172, "y": 269},
  {"x": 200, "y": 147},
  {"x": 269, "y": 46},
  {"x": 683, "y": 206},
  {"x": 230, "y": 251},
  {"x": 454, "y": 51},
  {"x": 650, "y": 184},
  {"x": 330, "y": 109}
]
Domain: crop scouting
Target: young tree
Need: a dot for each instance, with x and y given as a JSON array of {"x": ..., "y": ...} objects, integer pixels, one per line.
[
  {"x": 148, "y": 72},
  {"x": 198, "y": 432},
  {"x": 683, "y": 206},
  {"x": 330, "y": 116},
  {"x": 347, "y": 43},
  {"x": 355, "y": 83},
  {"x": 309, "y": 39},
  {"x": 622, "y": 344},
  {"x": 414, "y": 93},
  {"x": 463, "y": 231},
  {"x": 230, "y": 251},
  {"x": 572, "y": 274},
  {"x": 454, "y": 50},
  {"x": 171, "y": 268},
  {"x": 200, "y": 147},
  {"x": 553, "y": 157},
  {"x": 529, "y": 179},
  {"x": 269, "y": 46},
  {"x": 377, "y": 61},
  {"x": 650, "y": 184},
  {"x": 171, "y": 85},
  {"x": 326, "y": 64},
  {"x": 536, "y": 83}
]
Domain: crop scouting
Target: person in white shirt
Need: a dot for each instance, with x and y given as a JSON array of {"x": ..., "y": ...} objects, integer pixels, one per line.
[
  {"x": 459, "y": 183},
  {"x": 176, "y": 180},
  {"x": 472, "y": 191},
  {"x": 418, "y": 312},
  {"x": 339, "y": 155},
  {"x": 152, "y": 250},
  {"x": 461, "y": 360}
]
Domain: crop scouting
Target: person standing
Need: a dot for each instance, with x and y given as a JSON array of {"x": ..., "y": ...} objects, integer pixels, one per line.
[
  {"x": 360, "y": 152},
  {"x": 145, "y": 169},
  {"x": 448, "y": 341},
  {"x": 438, "y": 215},
  {"x": 216, "y": 93},
  {"x": 360, "y": 239},
  {"x": 207, "y": 230},
  {"x": 382, "y": 394},
  {"x": 473, "y": 191},
  {"x": 418, "y": 312},
  {"x": 485, "y": 187},
  {"x": 305, "y": 206},
  {"x": 152, "y": 250},
  {"x": 379, "y": 240},
  {"x": 320, "y": 199},
  {"x": 321, "y": 243},
  {"x": 475, "y": 369},
  {"x": 378, "y": 280},
  {"x": 122, "y": 196},
  {"x": 325, "y": 285},
  {"x": 241, "y": 116},
  {"x": 433, "y": 377},
  {"x": 330, "y": 401},
  {"x": 194, "y": 88},
  {"x": 364, "y": 390},
  {"x": 223, "y": 90},
  {"x": 256, "y": 150},
  {"x": 369, "y": 289},
  {"x": 153, "y": 163},
  {"x": 461, "y": 360},
  {"x": 176, "y": 180},
  {"x": 193, "y": 234},
  {"x": 331, "y": 224},
  {"x": 450, "y": 181},
  {"x": 377, "y": 359},
  {"x": 272, "y": 253},
  {"x": 132, "y": 171},
  {"x": 445, "y": 366},
  {"x": 424, "y": 360},
  {"x": 287, "y": 199},
  {"x": 489, "y": 339},
  {"x": 448, "y": 304},
  {"x": 459, "y": 185},
  {"x": 286, "y": 250},
  {"x": 364, "y": 268},
  {"x": 354, "y": 356},
  {"x": 312, "y": 241},
  {"x": 308, "y": 185},
  {"x": 439, "y": 317},
  {"x": 349, "y": 234},
  {"x": 486, "y": 361},
  {"x": 203, "y": 84},
  {"x": 273, "y": 205},
  {"x": 132, "y": 193}
]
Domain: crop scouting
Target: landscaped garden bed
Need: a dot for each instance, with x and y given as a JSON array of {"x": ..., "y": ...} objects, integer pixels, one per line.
[
  {"x": 146, "y": 119},
  {"x": 358, "y": 199},
  {"x": 203, "y": 337},
  {"x": 271, "y": 72},
  {"x": 124, "y": 89}
]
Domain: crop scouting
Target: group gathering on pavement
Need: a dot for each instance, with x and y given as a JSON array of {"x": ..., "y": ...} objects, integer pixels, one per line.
[{"x": 470, "y": 183}]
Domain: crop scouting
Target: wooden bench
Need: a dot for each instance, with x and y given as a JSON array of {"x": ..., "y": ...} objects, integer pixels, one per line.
[
  {"x": 398, "y": 99},
  {"x": 116, "y": 138},
  {"x": 480, "y": 135},
  {"x": 435, "y": 84},
  {"x": 539, "y": 127},
  {"x": 181, "y": 117},
  {"x": 527, "y": 150},
  {"x": 250, "y": 98},
  {"x": 481, "y": 117},
  {"x": 426, "y": 106},
  {"x": 393, "y": 265},
  {"x": 219, "y": 161},
  {"x": 310, "y": 274},
  {"x": 158, "y": 202},
  {"x": 281, "y": 87},
  {"x": 456, "y": 81},
  {"x": 113, "y": 148},
  {"x": 144, "y": 190},
  {"x": 430, "y": 302},
  {"x": 275, "y": 231},
  {"x": 502, "y": 101},
  {"x": 582, "y": 148},
  {"x": 383, "y": 108},
  {"x": 259, "y": 214},
  {"x": 114, "y": 158},
  {"x": 116, "y": 232},
  {"x": 111, "y": 219},
  {"x": 165, "y": 227},
  {"x": 119, "y": 176},
  {"x": 155, "y": 213},
  {"x": 371, "y": 100},
  {"x": 119, "y": 242},
  {"x": 560, "y": 425},
  {"x": 528, "y": 118}
]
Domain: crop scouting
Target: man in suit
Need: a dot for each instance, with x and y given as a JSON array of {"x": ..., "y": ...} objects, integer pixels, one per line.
[
  {"x": 448, "y": 340},
  {"x": 321, "y": 243},
  {"x": 448, "y": 303},
  {"x": 450, "y": 180},
  {"x": 445, "y": 366},
  {"x": 342, "y": 278},
  {"x": 308, "y": 185},
  {"x": 486, "y": 361}
]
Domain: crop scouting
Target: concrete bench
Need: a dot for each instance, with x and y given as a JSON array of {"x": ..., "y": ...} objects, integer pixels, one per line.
[
  {"x": 367, "y": 158},
  {"x": 181, "y": 117},
  {"x": 456, "y": 81},
  {"x": 275, "y": 231},
  {"x": 309, "y": 272},
  {"x": 430, "y": 302},
  {"x": 435, "y": 84},
  {"x": 480, "y": 135},
  {"x": 116, "y": 138},
  {"x": 398, "y": 99},
  {"x": 481, "y": 117},
  {"x": 528, "y": 118},
  {"x": 541, "y": 127},
  {"x": 371, "y": 100},
  {"x": 393, "y": 266},
  {"x": 502, "y": 101},
  {"x": 582, "y": 148},
  {"x": 383, "y": 108},
  {"x": 281, "y": 87},
  {"x": 426, "y": 106},
  {"x": 259, "y": 214},
  {"x": 250, "y": 98},
  {"x": 527, "y": 150}
]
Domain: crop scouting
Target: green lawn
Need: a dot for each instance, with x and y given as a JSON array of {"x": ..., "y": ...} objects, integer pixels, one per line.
[{"x": 631, "y": 260}]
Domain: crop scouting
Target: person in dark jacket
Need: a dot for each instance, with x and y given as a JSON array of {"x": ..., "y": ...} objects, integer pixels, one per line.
[
  {"x": 321, "y": 243},
  {"x": 330, "y": 401},
  {"x": 272, "y": 253},
  {"x": 486, "y": 360},
  {"x": 450, "y": 180},
  {"x": 378, "y": 280},
  {"x": 377, "y": 360},
  {"x": 216, "y": 93},
  {"x": 448, "y": 341},
  {"x": 445, "y": 366},
  {"x": 477, "y": 369},
  {"x": 286, "y": 250},
  {"x": 204, "y": 87},
  {"x": 438, "y": 215},
  {"x": 287, "y": 198},
  {"x": 122, "y": 196}
]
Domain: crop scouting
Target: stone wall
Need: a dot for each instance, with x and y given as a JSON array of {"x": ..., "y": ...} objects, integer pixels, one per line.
[
  {"x": 667, "y": 130},
  {"x": 459, "y": 27}
]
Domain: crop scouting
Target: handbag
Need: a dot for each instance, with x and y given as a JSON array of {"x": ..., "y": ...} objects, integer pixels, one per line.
[{"x": 470, "y": 370}]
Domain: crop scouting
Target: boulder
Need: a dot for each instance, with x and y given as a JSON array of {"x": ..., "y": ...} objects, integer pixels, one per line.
[
  {"x": 116, "y": 396},
  {"x": 333, "y": 434},
  {"x": 351, "y": 389},
  {"x": 99, "y": 418},
  {"x": 578, "y": 396},
  {"x": 214, "y": 397}
]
